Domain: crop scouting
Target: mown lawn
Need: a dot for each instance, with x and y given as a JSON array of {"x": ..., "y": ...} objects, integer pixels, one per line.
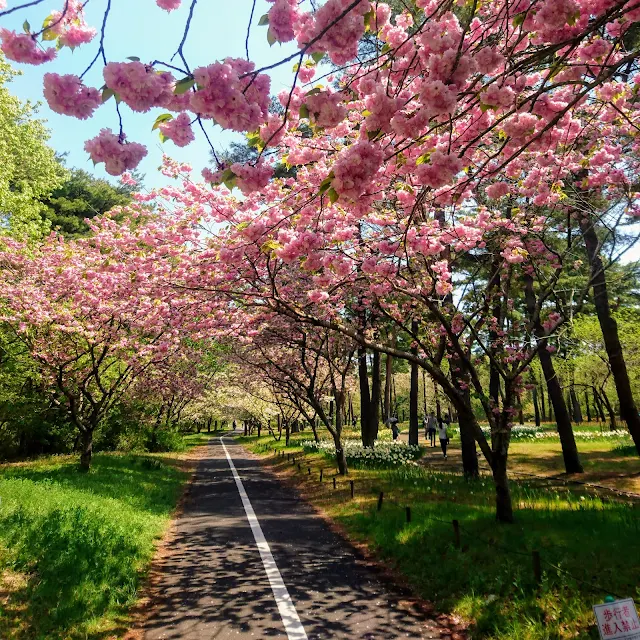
[
  {"x": 75, "y": 547},
  {"x": 589, "y": 545}
]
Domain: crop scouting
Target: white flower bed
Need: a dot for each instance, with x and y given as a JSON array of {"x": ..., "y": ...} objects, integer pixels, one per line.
[
  {"x": 527, "y": 432},
  {"x": 384, "y": 453}
]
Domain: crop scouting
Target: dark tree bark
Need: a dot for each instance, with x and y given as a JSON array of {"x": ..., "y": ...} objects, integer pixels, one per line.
[
  {"x": 341, "y": 459},
  {"x": 612, "y": 414},
  {"x": 609, "y": 328},
  {"x": 86, "y": 443},
  {"x": 365, "y": 398},
  {"x": 575, "y": 403},
  {"x": 543, "y": 407},
  {"x": 414, "y": 429},
  {"x": 586, "y": 404},
  {"x": 536, "y": 408},
  {"x": 376, "y": 389},
  {"x": 565, "y": 430},
  {"x": 388, "y": 379}
]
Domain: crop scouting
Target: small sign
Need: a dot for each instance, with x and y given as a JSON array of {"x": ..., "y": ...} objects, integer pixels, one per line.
[{"x": 618, "y": 620}]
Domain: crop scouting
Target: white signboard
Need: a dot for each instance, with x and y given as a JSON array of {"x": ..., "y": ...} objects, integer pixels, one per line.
[{"x": 618, "y": 620}]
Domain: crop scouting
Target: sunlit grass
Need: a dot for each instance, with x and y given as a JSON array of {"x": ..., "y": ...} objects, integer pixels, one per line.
[{"x": 74, "y": 547}]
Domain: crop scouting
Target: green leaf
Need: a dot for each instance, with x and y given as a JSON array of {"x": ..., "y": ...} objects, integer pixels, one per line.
[
  {"x": 107, "y": 93},
  {"x": 317, "y": 56},
  {"x": 133, "y": 58},
  {"x": 518, "y": 20},
  {"x": 333, "y": 195},
  {"x": 182, "y": 86},
  {"x": 165, "y": 117},
  {"x": 369, "y": 20},
  {"x": 304, "y": 111},
  {"x": 231, "y": 183},
  {"x": 385, "y": 49},
  {"x": 264, "y": 20},
  {"x": 372, "y": 135},
  {"x": 271, "y": 38},
  {"x": 423, "y": 158},
  {"x": 326, "y": 183},
  {"x": 163, "y": 138},
  {"x": 227, "y": 175},
  {"x": 313, "y": 91},
  {"x": 26, "y": 26},
  {"x": 49, "y": 35}
]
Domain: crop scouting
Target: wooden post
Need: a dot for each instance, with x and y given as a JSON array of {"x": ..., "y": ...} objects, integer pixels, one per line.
[
  {"x": 408, "y": 513},
  {"x": 456, "y": 533},
  {"x": 321, "y": 470},
  {"x": 537, "y": 567},
  {"x": 309, "y": 469},
  {"x": 334, "y": 483},
  {"x": 351, "y": 482},
  {"x": 299, "y": 467},
  {"x": 380, "y": 499}
]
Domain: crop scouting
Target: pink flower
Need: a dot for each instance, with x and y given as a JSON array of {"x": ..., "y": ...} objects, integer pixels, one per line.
[
  {"x": 355, "y": 169},
  {"x": 282, "y": 17},
  {"x": 68, "y": 96},
  {"x": 438, "y": 99},
  {"x": 317, "y": 296},
  {"x": 21, "y": 47},
  {"x": 250, "y": 178},
  {"x": 168, "y": 5},
  {"x": 240, "y": 104},
  {"x": 497, "y": 190},
  {"x": 178, "y": 130},
  {"x": 70, "y": 27},
  {"x": 117, "y": 155},
  {"x": 326, "y": 109},
  {"x": 440, "y": 171},
  {"x": 137, "y": 85}
]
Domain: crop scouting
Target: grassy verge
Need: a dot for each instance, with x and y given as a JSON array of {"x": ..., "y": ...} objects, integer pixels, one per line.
[
  {"x": 74, "y": 547},
  {"x": 589, "y": 546}
]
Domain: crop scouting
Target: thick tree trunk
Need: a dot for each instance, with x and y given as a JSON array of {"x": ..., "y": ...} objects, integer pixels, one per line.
[
  {"x": 468, "y": 442},
  {"x": 414, "y": 428},
  {"x": 599, "y": 407},
  {"x": 500, "y": 437},
  {"x": 575, "y": 403},
  {"x": 543, "y": 407},
  {"x": 388, "y": 377},
  {"x": 376, "y": 388},
  {"x": 365, "y": 398},
  {"x": 341, "y": 459},
  {"x": 287, "y": 431},
  {"x": 563, "y": 421},
  {"x": 536, "y": 408},
  {"x": 86, "y": 453},
  {"x": 609, "y": 327},
  {"x": 586, "y": 404},
  {"x": 612, "y": 414},
  {"x": 493, "y": 289}
]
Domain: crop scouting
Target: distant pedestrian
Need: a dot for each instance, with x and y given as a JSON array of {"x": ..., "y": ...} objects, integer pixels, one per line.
[
  {"x": 235, "y": 426},
  {"x": 431, "y": 429},
  {"x": 393, "y": 423},
  {"x": 444, "y": 438}
]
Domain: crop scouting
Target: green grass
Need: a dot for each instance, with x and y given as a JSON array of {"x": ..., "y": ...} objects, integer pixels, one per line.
[
  {"x": 589, "y": 547},
  {"x": 74, "y": 547}
]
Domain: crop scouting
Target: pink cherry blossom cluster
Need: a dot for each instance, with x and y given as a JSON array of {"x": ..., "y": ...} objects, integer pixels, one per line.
[
  {"x": 23, "y": 47},
  {"x": 70, "y": 25},
  {"x": 356, "y": 168},
  {"x": 67, "y": 95},
  {"x": 178, "y": 130},
  {"x": 326, "y": 109},
  {"x": 138, "y": 85},
  {"x": 169, "y": 5},
  {"x": 283, "y": 16},
  {"x": 117, "y": 155},
  {"x": 250, "y": 178},
  {"x": 231, "y": 94}
]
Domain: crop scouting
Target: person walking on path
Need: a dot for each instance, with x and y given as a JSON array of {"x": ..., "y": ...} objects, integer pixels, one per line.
[
  {"x": 431, "y": 429},
  {"x": 393, "y": 423},
  {"x": 444, "y": 438}
]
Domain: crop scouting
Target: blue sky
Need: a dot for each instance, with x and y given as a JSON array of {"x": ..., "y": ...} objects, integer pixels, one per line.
[{"x": 140, "y": 28}]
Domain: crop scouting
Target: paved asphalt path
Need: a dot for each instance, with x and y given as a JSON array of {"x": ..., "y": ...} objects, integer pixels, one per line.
[{"x": 213, "y": 583}]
